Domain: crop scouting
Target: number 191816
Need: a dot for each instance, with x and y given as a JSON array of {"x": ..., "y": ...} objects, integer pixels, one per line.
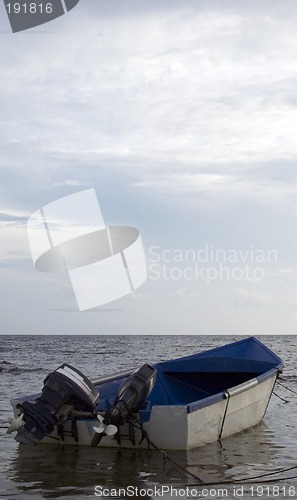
[
  {"x": 273, "y": 491},
  {"x": 29, "y": 8}
]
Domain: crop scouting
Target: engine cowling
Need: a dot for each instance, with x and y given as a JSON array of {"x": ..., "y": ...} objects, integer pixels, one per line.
[
  {"x": 129, "y": 399},
  {"x": 63, "y": 389}
]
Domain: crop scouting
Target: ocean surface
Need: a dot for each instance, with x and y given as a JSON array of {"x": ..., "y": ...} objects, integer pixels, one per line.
[{"x": 71, "y": 473}]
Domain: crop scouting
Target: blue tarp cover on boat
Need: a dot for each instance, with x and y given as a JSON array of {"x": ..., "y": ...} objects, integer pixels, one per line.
[{"x": 202, "y": 378}]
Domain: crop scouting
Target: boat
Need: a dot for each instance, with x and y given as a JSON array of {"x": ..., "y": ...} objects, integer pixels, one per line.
[{"x": 177, "y": 404}]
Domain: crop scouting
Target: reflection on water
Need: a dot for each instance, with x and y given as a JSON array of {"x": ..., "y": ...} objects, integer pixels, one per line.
[
  {"x": 68, "y": 471},
  {"x": 73, "y": 471},
  {"x": 241, "y": 455}
]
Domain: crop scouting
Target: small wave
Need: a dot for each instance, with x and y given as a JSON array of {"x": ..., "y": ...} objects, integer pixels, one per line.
[
  {"x": 288, "y": 378},
  {"x": 6, "y": 366}
]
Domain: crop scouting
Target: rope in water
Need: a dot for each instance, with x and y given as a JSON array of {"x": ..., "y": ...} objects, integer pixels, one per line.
[
  {"x": 279, "y": 397},
  {"x": 285, "y": 387},
  {"x": 247, "y": 480}
]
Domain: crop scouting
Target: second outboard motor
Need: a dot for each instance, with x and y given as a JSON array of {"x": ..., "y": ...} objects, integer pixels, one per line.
[
  {"x": 129, "y": 398},
  {"x": 63, "y": 389}
]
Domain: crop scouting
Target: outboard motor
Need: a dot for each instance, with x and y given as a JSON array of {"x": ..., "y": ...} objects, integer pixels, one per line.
[
  {"x": 63, "y": 389},
  {"x": 129, "y": 398}
]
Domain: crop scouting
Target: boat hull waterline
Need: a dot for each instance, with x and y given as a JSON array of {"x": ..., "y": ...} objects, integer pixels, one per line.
[{"x": 195, "y": 400}]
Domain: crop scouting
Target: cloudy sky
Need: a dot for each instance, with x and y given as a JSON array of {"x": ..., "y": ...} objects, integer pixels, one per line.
[{"x": 182, "y": 115}]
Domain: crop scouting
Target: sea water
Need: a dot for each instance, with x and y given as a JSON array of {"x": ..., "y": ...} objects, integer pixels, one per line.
[{"x": 37, "y": 472}]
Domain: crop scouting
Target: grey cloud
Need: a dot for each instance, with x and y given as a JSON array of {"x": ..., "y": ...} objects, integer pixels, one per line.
[
  {"x": 13, "y": 219},
  {"x": 17, "y": 263}
]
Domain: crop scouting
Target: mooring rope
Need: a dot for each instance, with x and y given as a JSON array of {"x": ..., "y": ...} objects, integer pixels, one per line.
[
  {"x": 285, "y": 387},
  {"x": 225, "y": 414},
  {"x": 248, "y": 480},
  {"x": 279, "y": 397}
]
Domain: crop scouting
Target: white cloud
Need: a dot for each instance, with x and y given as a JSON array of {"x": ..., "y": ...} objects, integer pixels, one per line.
[
  {"x": 250, "y": 298},
  {"x": 211, "y": 85},
  {"x": 237, "y": 185},
  {"x": 71, "y": 182},
  {"x": 285, "y": 275},
  {"x": 184, "y": 295}
]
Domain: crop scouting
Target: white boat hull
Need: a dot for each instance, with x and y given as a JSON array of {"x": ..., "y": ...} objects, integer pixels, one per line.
[{"x": 183, "y": 427}]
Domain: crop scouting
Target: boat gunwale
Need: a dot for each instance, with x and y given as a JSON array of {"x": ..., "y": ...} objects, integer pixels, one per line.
[
  {"x": 215, "y": 398},
  {"x": 113, "y": 376},
  {"x": 231, "y": 391}
]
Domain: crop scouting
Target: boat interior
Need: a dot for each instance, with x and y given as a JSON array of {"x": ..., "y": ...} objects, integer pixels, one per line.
[{"x": 185, "y": 381}]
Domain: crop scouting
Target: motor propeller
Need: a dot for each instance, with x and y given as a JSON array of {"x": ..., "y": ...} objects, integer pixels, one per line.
[
  {"x": 15, "y": 423},
  {"x": 105, "y": 428}
]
